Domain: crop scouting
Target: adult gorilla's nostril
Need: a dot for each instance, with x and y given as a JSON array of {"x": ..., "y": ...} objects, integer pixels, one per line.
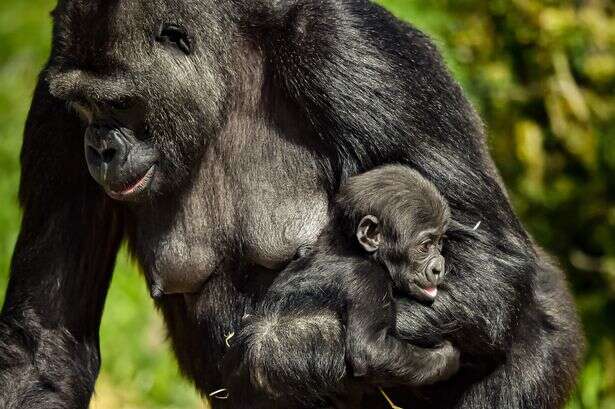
[
  {"x": 105, "y": 147},
  {"x": 108, "y": 155},
  {"x": 93, "y": 156}
]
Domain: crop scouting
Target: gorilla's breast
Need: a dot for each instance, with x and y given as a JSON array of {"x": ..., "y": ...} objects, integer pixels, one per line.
[
  {"x": 252, "y": 202},
  {"x": 278, "y": 219},
  {"x": 178, "y": 242}
]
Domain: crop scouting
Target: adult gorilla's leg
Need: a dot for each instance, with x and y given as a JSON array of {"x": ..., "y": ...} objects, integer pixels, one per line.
[
  {"x": 61, "y": 268},
  {"x": 198, "y": 326}
]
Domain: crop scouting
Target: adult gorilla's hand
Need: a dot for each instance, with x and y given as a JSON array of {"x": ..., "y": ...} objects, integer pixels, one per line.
[{"x": 418, "y": 323}]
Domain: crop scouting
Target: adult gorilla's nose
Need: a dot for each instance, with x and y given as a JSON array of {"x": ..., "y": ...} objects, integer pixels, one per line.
[{"x": 105, "y": 151}]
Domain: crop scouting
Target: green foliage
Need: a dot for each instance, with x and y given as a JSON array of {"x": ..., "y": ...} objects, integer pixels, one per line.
[{"x": 542, "y": 74}]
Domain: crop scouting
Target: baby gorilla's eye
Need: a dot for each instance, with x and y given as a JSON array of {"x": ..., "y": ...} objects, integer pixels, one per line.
[
  {"x": 425, "y": 246},
  {"x": 176, "y": 36}
]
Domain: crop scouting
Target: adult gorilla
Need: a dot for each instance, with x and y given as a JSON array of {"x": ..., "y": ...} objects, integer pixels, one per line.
[{"x": 219, "y": 130}]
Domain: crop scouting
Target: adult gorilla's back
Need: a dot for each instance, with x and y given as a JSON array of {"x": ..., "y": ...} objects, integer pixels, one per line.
[{"x": 255, "y": 111}]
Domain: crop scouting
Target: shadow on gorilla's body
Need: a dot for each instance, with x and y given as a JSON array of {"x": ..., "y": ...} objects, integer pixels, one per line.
[{"x": 222, "y": 129}]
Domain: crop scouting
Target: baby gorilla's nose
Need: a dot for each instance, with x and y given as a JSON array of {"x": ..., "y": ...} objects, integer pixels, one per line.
[{"x": 435, "y": 271}]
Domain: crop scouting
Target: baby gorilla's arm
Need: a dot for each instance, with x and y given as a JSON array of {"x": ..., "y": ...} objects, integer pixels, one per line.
[{"x": 383, "y": 359}]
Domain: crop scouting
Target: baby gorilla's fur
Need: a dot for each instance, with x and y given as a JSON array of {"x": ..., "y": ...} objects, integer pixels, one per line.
[{"x": 337, "y": 300}]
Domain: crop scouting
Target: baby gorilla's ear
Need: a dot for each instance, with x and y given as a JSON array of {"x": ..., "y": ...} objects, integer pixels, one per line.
[{"x": 369, "y": 234}]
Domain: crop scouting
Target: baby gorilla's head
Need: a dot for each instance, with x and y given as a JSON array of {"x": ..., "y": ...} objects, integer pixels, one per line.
[{"x": 399, "y": 218}]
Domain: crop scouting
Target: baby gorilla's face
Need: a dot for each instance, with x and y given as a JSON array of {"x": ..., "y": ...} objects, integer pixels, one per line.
[
  {"x": 418, "y": 268},
  {"x": 414, "y": 262}
]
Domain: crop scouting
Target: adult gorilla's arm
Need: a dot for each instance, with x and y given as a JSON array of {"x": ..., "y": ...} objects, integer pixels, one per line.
[
  {"x": 528, "y": 362},
  {"x": 61, "y": 268},
  {"x": 378, "y": 92}
]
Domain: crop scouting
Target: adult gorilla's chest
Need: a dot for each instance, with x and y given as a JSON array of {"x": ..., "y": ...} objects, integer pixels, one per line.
[{"x": 256, "y": 198}]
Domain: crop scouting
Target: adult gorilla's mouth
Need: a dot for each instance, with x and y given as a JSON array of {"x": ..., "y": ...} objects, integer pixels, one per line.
[{"x": 133, "y": 189}]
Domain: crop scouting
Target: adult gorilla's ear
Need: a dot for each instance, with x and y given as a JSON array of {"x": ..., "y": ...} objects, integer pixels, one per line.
[
  {"x": 369, "y": 234},
  {"x": 175, "y": 36}
]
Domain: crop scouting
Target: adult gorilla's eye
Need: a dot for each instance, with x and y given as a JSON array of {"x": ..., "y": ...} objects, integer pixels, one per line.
[
  {"x": 120, "y": 104},
  {"x": 80, "y": 105},
  {"x": 176, "y": 36}
]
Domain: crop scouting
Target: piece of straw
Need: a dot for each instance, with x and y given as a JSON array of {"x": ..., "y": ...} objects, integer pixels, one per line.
[
  {"x": 215, "y": 394},
  {"x": 389, "y": 401},
  {"x": 228, "y": 338}
]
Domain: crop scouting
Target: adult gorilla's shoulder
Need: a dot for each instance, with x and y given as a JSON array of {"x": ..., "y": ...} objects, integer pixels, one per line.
[{"x": 218, "y": 131}]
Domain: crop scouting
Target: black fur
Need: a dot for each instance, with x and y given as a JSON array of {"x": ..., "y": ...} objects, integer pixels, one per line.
[
  {"x": 344, "y": 289},
  {"x": 256, "y": 121}
]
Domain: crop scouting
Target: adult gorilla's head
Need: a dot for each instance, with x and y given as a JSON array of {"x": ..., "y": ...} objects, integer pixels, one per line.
[{"x": 150, "y": 81}]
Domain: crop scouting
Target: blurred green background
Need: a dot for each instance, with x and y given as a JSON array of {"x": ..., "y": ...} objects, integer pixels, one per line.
[{"x": 542, "y": 74}]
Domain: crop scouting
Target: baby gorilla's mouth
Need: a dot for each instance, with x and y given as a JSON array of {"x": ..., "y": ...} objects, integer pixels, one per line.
[
  {"x": 431, "y": 292},
  {"x": 423, "y": 292},
  {"x": 134, "y": 188}
]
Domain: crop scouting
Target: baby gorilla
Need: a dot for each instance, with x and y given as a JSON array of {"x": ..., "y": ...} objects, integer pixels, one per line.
[{"x": 334, "y": 305}]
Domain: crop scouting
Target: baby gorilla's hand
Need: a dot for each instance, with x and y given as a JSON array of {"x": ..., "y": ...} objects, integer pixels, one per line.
[{"x": 445, "y": 364}]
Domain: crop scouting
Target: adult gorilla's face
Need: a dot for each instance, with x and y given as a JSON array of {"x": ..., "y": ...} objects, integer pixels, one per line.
[{"x": 148, "y": 81}]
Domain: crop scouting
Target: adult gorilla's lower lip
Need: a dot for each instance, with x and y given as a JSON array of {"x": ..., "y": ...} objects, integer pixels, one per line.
[{"x": 137, "y": 187}]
